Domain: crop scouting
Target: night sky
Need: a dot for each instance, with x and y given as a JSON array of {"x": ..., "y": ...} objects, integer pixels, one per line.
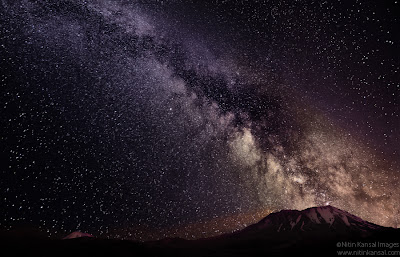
[{"x": 150, "y": 119}]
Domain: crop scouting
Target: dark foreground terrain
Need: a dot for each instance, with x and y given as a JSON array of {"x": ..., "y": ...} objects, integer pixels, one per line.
[{"x": 319, "y": 231}]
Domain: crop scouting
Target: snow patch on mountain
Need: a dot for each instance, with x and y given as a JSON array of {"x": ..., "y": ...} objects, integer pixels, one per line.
[
  {"x": 294, "y": 223},
  {"x": 327, "y": 215},
  {"x": 312, "y": 214}
]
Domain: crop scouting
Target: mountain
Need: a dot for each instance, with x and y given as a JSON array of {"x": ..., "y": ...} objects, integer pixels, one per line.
[
  {"x": 313, "y": 231},
  {"x": 317, "y": 231},
  {"x": 326, "y": 219},
  {"x": 77, "y": 234}
]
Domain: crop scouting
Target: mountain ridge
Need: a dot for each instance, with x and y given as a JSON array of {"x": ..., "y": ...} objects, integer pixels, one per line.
[
  {"x": 321, "y": 215},
  {"x": 312, "y": 231}
]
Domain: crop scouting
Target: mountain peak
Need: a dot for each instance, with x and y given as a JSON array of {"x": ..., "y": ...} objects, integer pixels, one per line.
[{"x": 328, "y": 214}]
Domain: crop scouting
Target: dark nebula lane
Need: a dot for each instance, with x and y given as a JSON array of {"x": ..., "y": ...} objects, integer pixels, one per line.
[{"x": 150, "y": 119}]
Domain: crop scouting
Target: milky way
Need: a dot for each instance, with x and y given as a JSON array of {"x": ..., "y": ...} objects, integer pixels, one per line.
[{"x": 150, "y": 119}]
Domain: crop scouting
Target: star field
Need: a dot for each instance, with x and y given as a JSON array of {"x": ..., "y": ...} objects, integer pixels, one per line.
[{"x": 152, "y": 119}]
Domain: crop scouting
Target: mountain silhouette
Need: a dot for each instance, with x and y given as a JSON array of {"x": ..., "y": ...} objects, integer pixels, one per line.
[
  {"x": 327, "y": 219},
  {"x": 317, "y": 231}
]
